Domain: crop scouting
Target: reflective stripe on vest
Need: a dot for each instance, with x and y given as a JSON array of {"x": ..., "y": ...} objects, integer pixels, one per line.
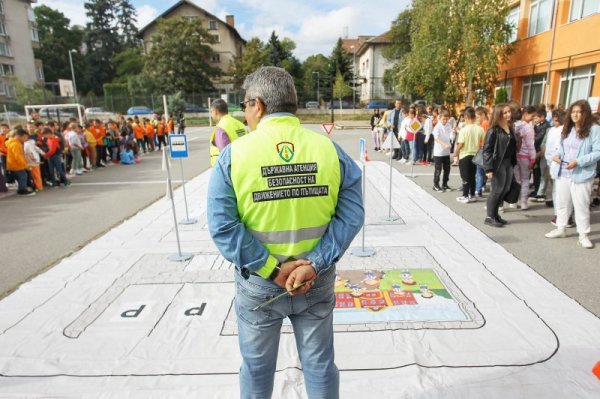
[
  {"x": 234, "y": 130},
  {"x": 286, "y": 179}
]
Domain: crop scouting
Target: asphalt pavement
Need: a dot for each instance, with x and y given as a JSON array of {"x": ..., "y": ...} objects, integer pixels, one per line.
[{"x": 36, "y": 232}]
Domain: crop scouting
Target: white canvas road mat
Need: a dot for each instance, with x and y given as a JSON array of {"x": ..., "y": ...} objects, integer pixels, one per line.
[{"x": 440, "y": 311}]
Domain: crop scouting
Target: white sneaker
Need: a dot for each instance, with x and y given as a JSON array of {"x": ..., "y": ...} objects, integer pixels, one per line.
[
  {"x": 524, "y": 207},
  {"x": 409, "y": 163},
  {"x": 472, "y": 199},
  {"x": 402, "y": 160},
  {"x": 557, "y": 233},
  {"x": 512, "y": 206},
  {"x": 463, "y": 200},
  {"x": 585, "y": 242}
]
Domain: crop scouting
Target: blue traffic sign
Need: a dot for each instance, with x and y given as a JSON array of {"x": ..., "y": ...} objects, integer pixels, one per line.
[{"x": 178, "y": 146}]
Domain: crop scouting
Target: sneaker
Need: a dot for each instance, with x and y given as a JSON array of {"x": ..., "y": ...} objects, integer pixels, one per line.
[
  {"x": 595, "y": 202},
  {"x": 524, "y": 207},
  {"x": 513, "y": 206},
  {"x": 27, "y": 193},
  {"x": 540, "y": 198},
  {"x": 463, "y": 200},
  {"x": 504, "y": 222},
  {"x": 556, "y": 233},
  {"x": 79, "y": 172},
  {"x": 409, "y": 163},
  {"x": 438, "y": 189},
  {"x": 67, "y": 184},
  {"x": 585, "y": 242},
  {"x": 472, "y": 199},
  {"x": 479, "y": 195},
  {"x": 446, "y": 188},
  {"x": 401, "y": 160},
  {"x": 492, "y": 222}
]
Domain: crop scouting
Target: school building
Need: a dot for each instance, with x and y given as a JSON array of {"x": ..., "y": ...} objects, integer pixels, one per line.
[{"x": 557, "y": 54}]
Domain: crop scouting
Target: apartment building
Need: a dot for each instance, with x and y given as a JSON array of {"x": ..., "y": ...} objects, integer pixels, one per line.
[
  {"x": 558, "y": 52},
  {"x": 18, "y": 38}
]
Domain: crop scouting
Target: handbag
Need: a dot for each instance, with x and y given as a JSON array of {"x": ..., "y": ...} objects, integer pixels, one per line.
[
  {"x": 478, "y": 158},
  {"x": 512, "y": 196}
]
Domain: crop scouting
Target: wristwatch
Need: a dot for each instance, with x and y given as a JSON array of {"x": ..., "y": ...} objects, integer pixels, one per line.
[{"x": 275, "y": 272}]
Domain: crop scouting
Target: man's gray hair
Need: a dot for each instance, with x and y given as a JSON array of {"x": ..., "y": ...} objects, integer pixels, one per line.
[
  {"x": 220, "y": 106},
  {"x": 275, "y": 87}
]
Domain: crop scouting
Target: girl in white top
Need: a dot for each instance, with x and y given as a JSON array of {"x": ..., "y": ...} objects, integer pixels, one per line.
[{"x": 442, "y": 135}]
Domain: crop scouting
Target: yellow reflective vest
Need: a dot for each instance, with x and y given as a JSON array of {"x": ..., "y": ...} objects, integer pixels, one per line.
[
  {"x": 286, "y": 179},
  {"x": 234, "y": 129}
]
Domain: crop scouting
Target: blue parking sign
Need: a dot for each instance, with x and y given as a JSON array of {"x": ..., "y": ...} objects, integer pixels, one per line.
[{"x": 178, "y": 146}]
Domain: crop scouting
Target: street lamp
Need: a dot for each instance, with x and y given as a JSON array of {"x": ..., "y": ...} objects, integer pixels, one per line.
[
  {"x": 318, "y": 99},
  {"x": 353, "y": 77},
  {"x": 73, "y": 75}
]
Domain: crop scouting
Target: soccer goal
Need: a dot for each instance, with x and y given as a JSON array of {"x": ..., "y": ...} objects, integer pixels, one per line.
[{"x": 56, "y": 112}]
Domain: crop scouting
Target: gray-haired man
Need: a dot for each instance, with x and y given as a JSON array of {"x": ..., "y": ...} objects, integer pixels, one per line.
[{"x": 284, "y": 203}]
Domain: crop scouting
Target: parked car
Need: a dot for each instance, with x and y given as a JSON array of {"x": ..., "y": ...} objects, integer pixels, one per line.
[
  {"x": 194, "y": 108},
  {"x": 377, "y": 104},
  {"x": 54, "y": 113},
  {"x": 13, "y": 116},
  {"x": 99, "y": 113},
  {"x": 336, "y": 104},
  {"x": 312, "y": 105},
  {"x": 139, "y": 110}
]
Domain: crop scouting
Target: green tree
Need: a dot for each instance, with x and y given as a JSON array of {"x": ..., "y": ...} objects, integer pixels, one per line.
[
  {"x": 501, "y": 96},
  {"x": 128, "y": 63},
  {"x": 340, "y": 61},
  {"x": 181, "y": 56},
  {"x": 56, "y": 39},
  {"x": 452, "y": 60},
  {"x": 400, "y": 37},
  {"x": 102, "y": 42},
  {"x": 340, "y": 88},
  {"x": 28, "y": 95},
  {"x": 315, "y": 69},
  {"x": 254, "y": 56},
  {"x": 126, "y": 24}
]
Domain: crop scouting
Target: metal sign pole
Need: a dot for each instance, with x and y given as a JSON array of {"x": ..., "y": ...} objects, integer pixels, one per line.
[
  {"x": 391, "y": 218},
  {"x": 363, "y": 252},
  {"x": 179, "y": 256},
  {"x": 187, "y": 219}
]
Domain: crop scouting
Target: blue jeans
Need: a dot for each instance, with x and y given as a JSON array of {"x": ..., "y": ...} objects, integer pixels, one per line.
[
  {"x": 55, "y": 164},
  {"x": 419, "y": 144},
  {"x": 21, "y": 180},
  {"x": 259, "y": 331},
  {"x": 413, "y": 152},
  {"x": 405, "y": 149},
  {"x": 479, "y": 179}
]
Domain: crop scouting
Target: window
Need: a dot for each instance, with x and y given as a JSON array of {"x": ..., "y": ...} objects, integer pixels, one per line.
[
  {"x": 513, "y": 20},
  {"x": 40, "y": 73},
  {"x": 1, "y": 7},
  {"x": 217, "y": 38},
  {"x": 2, "y": 29},
  {"x": 576, "y": 84},
  {"x": 216, "y": 58},
  {"x": 583, "y": 8},
  {"x": 7, "y": 69},
  {"x": 212, "y": 25},
  {"x": 2, "y": 89},
  {"x": 30, "y": 14},
  {"x": 506, "y": 85},
  {"x": 4, "y": 50},
  {"x": 540, "y": 16},
  {"x": 34, "y": 35},
  {"x": 533, "y": 90}
]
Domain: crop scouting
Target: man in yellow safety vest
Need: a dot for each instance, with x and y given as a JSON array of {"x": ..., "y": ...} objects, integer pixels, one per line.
[
  {"x": 284, "y": 204},
  {"x": 226, "y": 131}
]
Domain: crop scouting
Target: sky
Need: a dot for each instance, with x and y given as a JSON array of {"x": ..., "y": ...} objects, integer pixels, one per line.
[{"x": 313, "y": 25}]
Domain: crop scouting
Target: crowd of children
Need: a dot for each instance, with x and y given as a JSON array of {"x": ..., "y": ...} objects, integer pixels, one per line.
[
  {"x": 433, "y": 136},
  {"x": 48, "y": 154}
]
